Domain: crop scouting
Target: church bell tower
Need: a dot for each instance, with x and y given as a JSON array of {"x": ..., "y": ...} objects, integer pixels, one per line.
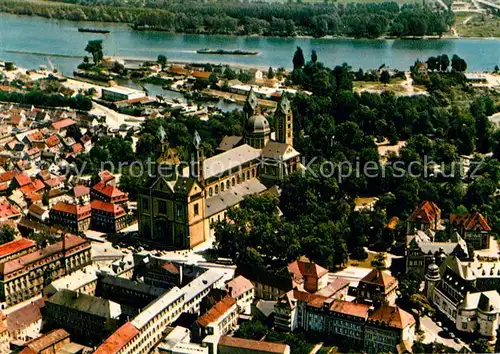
[{"x": 283, "y": 117}]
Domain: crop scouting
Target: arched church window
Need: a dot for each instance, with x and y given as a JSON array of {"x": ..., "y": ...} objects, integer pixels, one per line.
[
  {"x": 217, "y": 189},
  {"x": 210, "y": 192}
]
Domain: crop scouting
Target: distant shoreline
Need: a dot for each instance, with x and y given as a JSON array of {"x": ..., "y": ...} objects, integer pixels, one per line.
[{"x": 126, "y": 26}]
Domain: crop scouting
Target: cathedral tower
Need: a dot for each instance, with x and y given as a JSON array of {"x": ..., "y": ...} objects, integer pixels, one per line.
[
  {"x": 283, "y": 117},
  {"x": 251, "y": 104}
]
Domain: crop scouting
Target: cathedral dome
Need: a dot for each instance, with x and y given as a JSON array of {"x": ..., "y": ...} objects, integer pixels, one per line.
[{"x": 258, "y": 124}]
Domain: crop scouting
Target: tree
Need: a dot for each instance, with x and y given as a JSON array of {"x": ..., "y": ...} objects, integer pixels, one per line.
[
  {"x": 162, "y": 60},
  {"x": 7, "y": 234},
  {"x": 94, "y": 47},
  {"x": 481, "y": 345},
  {"x": 314, "y": 56},
  {"x": 379, "y": 261},
  {"x": 213, "y": 80},
  {"x": 298, "y": 59},
  {"x": 385, "y": 77},
  {"x": 270, "y": 73},
  {"x": 255, "y": 330},
  {"x": 86, "y": 59},
  {"x": 458, "y": 64}
]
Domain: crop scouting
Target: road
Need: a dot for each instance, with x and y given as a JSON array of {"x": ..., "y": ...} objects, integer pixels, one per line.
[{"x": 431, "y": 330}]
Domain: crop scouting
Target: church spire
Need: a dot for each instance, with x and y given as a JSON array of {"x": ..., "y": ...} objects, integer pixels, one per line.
[
  {"x": 251, "y": 104},
  {"x": 283, "y": 118}
]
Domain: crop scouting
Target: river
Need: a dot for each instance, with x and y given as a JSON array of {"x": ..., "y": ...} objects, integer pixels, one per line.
[{"x": 34, "y": 35}]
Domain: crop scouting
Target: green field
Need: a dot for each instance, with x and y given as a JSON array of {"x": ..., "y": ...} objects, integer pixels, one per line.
[{"x": 478, "y": 26}]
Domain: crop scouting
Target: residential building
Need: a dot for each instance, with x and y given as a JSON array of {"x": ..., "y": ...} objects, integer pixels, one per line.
[
  {"x": 147, "y": 328},
  {"x": 23, "y": 277},
  {"x": 359, "y": 327},
  {"x": 377, "y": 287},
  {"x": 71, "y": 216},
  {"x": 108, "y": 193},
  {"x": 108, "y": 217},
  {"x": 473, "y": 227},
  {"x": 25, "y": 321},
  {"x": 16, "y": 248},
  {"x": 427, "y": 216},
  {"x": 8, "y": 211},
  {"x": 48, "y": 343},
  {"x": 421, "y": 251},
  {"x": 88, "y": 318},
  {"x": 39, "y": 213},
  {"x": 386, "y": 328},
  {"x": 177, "y": 209},
  {"x": 242, "y": 290},
  {"x": 221, "y": 319},
  {"x": 308, "y": 276}
]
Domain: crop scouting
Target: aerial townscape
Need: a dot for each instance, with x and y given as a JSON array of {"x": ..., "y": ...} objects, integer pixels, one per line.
[{"x": 249, "y": 177}]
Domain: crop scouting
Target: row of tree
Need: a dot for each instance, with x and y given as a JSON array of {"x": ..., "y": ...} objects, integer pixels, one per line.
[
  {"x": 42, "y": 99},
  {"x": 355, "y": 20}
]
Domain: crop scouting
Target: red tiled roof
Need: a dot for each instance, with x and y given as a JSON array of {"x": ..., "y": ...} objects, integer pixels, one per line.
[
  {"x": 33, "y": 196},
  {"x": 7, "y": 176},
  {"x": 33, "y": 151},
  {"x": 7, "y": 210},
  {"x": 21, "y": 262},
  {"x": 109, "y": 191},
  {"x": 392, "y": 316},
  {"x": 106, "y": 176},
  {"x": 350, "y": 308},
  {"x": 107, "y": 207},
  {"x": 118, "y": 339},
  {"x": 4, "y": 186},
  {"x": 22, "y": 179},
  {"x": 25, "y": 316},
  {"x": 64, "y": 123},
  {"x": 312, "y": 299},
  {"x": 428, "y": 212},
  {"x": 81, "y": 211},
  {"x": 261, "y": 347},
  {"x": 80, "y": 191},
  {"x": 300, "y": 269},
  {"x": 53, "y": 182},
  {"x": 37, "y": 136},
  {"x": 470, "y": 221},
  {"x": 378, "y": 277},
  {"x": 52, "y": 141},
  {"x": 16, "y": 246},
  {"x": 217, "y": 311},
  {"x": 77, "y": 147},
  {"x": 205, "y": 75},
  {"x": 15, "y": 119},
  {"x": 239, "y": 286}
]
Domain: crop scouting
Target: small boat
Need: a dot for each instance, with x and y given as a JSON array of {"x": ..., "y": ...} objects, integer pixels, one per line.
[
  {"x": 225, "y": 52},
  {"x": 230, "y": 100},
  {"x": 93, "y": 30}
]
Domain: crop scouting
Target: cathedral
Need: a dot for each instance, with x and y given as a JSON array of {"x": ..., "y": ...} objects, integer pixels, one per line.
[{"x": 177, "y": 209}]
